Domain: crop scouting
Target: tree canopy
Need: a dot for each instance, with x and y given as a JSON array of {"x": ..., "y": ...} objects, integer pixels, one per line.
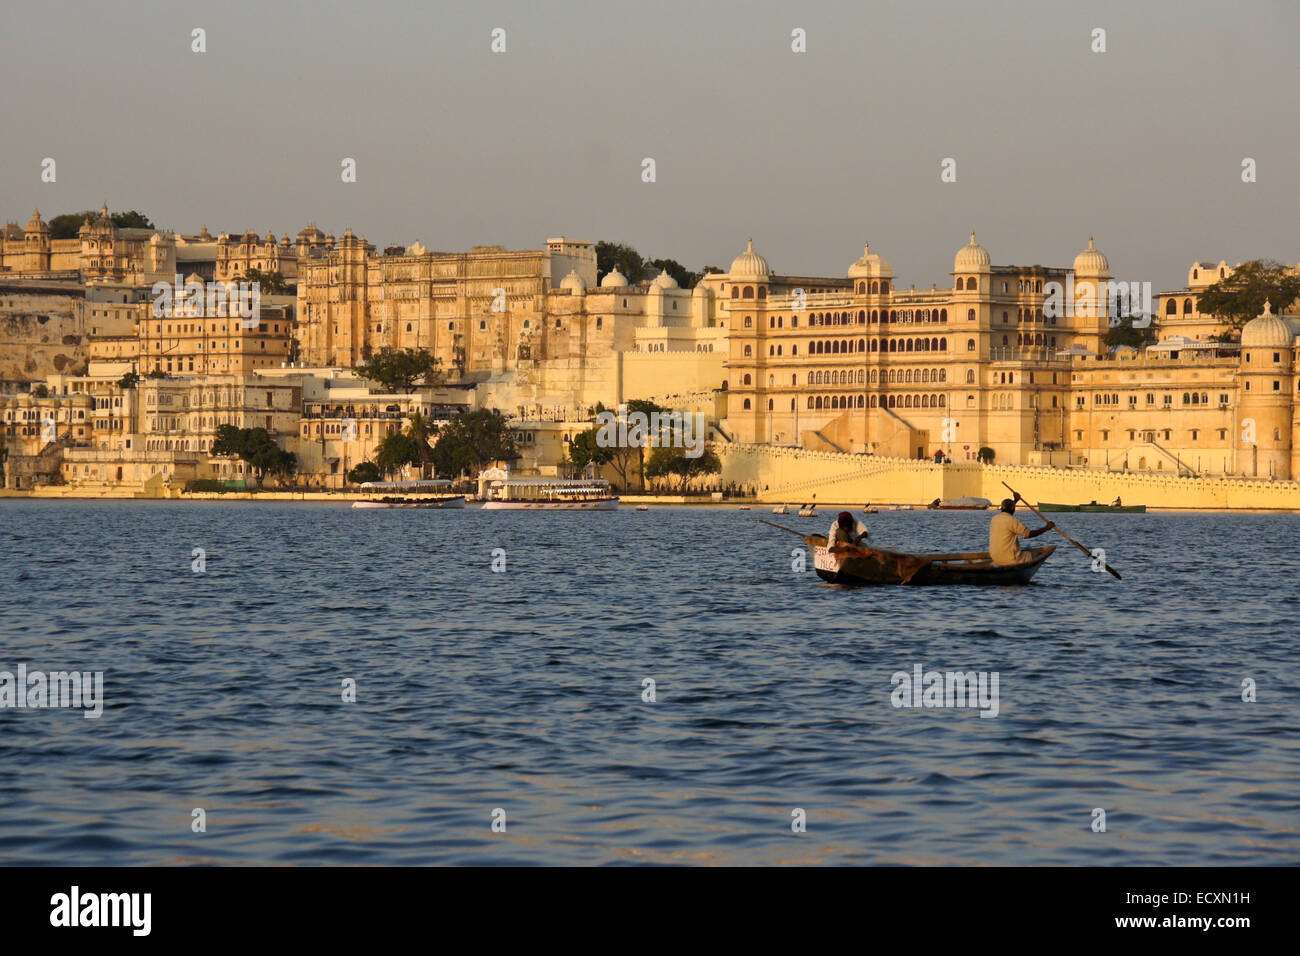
[
  {"x": 68, "y": 224},
  {"x": 270, "y": 282},
  {"x": 619, "y": 255},
  {"x": 402, "y": 370},
  {"x": 471, "y": 441},
  {"x": 669, "y": 462},
  {"x": 1240, "y": 297},
  {"x": 258, "y": 449}
]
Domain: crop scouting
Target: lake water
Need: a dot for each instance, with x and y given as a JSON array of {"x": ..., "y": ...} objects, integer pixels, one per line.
[{"x": 522, "y": 690}]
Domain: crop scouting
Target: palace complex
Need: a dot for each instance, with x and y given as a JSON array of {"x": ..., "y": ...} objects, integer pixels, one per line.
[{"x": 1008, "y": 362}]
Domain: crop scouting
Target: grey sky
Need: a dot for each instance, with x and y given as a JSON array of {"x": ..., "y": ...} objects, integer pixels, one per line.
[{"x": 812, "y": 153}]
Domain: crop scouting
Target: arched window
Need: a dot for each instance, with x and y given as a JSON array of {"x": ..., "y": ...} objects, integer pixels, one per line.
[
  {"x": 970, "y": 315},
  {"x": 970, "y": 345},
  {"x": 970, "y": 376},
  {"x": 873, "y": 401},
  {"x": 943, "y": 345},
  {"x": 1171, "y": 307},
  {"x": 1187, "y": 306},
  {"x": 748, "y": 351},
  {"x": 747, "y": 380},
  {"x": 943, "y": 401},
  {"x": 748, "y": 292},
  {"x": 810, "y": 401},
  {"x": 875, "y": 287},
  {"x": 747, "y": 405}
]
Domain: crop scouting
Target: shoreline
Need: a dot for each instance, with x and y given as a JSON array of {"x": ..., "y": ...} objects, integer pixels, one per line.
[{"x": 626, "y": 502}]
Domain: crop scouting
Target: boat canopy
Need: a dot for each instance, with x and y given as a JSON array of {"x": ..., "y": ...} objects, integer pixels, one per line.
[
  {"x": 415, "y": 485},
  {"x": 574, "y": 484}
]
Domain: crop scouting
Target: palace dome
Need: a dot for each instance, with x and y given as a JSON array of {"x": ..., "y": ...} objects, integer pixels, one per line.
[
  {"x": 664, "y": 281},
  {"x": 870, "y": 266},
  {"x": 613, "y": 280},
  {"x": 972, "y": 257},
  {"x": 1266, "y": 331},
  {"x": 574, "y": 283},
  {"x": 1091, "y": 262},
  {"x": 749, "y": 265}
]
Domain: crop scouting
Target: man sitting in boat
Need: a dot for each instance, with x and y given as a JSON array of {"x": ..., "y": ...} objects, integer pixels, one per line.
[
  {"x": 846, "y": 530},
  {"x": 1005, "y": 529}
]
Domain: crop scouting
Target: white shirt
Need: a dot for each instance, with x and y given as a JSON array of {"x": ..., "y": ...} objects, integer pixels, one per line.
[{"x": 838, "y": 535}]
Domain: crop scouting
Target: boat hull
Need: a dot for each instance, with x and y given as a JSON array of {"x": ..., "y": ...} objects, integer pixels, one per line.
[
  {"x": 872, "y": 566},
  {"x": 452, "y": 501},
  {"x": 1094, "y": 509},
  {"x": 597, "y": 504}
]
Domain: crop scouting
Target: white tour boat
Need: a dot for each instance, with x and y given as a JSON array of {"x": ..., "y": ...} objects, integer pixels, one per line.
[
  {"x": 549, "y": 494},
  {"x": 421, "y": 493}
]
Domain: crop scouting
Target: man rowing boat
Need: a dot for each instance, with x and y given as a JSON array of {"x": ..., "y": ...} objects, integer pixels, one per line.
[
  {"x": 1005, "y": 529},
  {"x": 845, "y": 531}
]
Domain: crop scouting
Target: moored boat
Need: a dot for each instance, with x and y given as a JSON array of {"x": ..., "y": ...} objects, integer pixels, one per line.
[
  {"x": 420, "y": 493},
  {"x": 1094, "y": 508},
  {"x": 866, "y": 566},
  {"x": 781, "y": 510},
  {"x": 959, "y": 504},
  {"x": 549, "y": 494}
]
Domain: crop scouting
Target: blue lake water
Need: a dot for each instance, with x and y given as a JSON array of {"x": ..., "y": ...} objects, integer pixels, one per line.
[{"x": 522, "y": 690}]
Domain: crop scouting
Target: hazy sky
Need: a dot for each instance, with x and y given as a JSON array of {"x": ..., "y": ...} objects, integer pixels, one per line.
[{"x": 811, "y": 154}]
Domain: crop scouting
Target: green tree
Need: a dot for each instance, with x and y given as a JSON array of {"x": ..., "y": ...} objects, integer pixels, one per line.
[
  {"x": 40, "y": 390},
  {"x": 620, "y": 256},
  {"x": 156, "y": 373},
  {"x": 129, "y": 380},
  {"x": 363, "y": 472},
  {"x": 1238, "y": 298},
  {"x": 985, "y": 454},
  {"x": 1126, "y": 334},
  {"x": 422, "y": 431},
  {"x": 585, "y": 450},
  {"x": 68, "y": 224},
  {"x": 669, "y": 462},
  {"x": 402, "y": 370},
  {"x": 257, "y": 449},
  {"x": 471, "y": 441},
  {"x": 270, "y": 282},
  {"x": 395, "y": 452}
]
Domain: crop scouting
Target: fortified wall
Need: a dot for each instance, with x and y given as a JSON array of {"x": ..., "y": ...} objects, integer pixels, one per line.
[{"x": 780, "y": 474}]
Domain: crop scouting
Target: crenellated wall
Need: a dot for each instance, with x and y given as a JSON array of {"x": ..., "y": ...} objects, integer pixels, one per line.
[{"x": 794, "y": 475}]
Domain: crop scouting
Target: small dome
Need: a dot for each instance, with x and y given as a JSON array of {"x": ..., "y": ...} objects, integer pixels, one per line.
[
  {"x": 613, "y": 280},
  {"x": 664, "y": 281},
  {"x": 870, "y": 266},
  {"x": 749, "y": 265},
  {"x": 1266, "y": 331},
  {"x": 1091, "y": 262},
  {"x": 972, "y": 257},
  {"x": 574, "y": 283},
  {"x": 36, "y": 224}
]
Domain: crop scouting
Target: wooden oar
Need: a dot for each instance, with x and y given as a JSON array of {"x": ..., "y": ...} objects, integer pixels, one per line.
[
  {"x": 802, "y": 534},
  {"x": 1081, "y": 547}
]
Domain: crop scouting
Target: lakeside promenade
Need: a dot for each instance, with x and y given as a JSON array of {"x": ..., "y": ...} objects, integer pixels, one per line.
[{"x": 778, "y": 475}]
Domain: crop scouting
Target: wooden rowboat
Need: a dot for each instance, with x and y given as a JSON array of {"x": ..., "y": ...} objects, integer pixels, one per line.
[
  {"x": 861, "y": 566},
  {"x": 1094, "y": 508}
]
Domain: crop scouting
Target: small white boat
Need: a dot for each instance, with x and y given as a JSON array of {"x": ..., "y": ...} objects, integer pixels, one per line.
[
  {"x": 809, "y": 511},
  {"x": 642, "y": 507},
  {"x": 421, "y": 493},
  {"x": 781, "y": 510},
  {"x": 744, "y": 507}
]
